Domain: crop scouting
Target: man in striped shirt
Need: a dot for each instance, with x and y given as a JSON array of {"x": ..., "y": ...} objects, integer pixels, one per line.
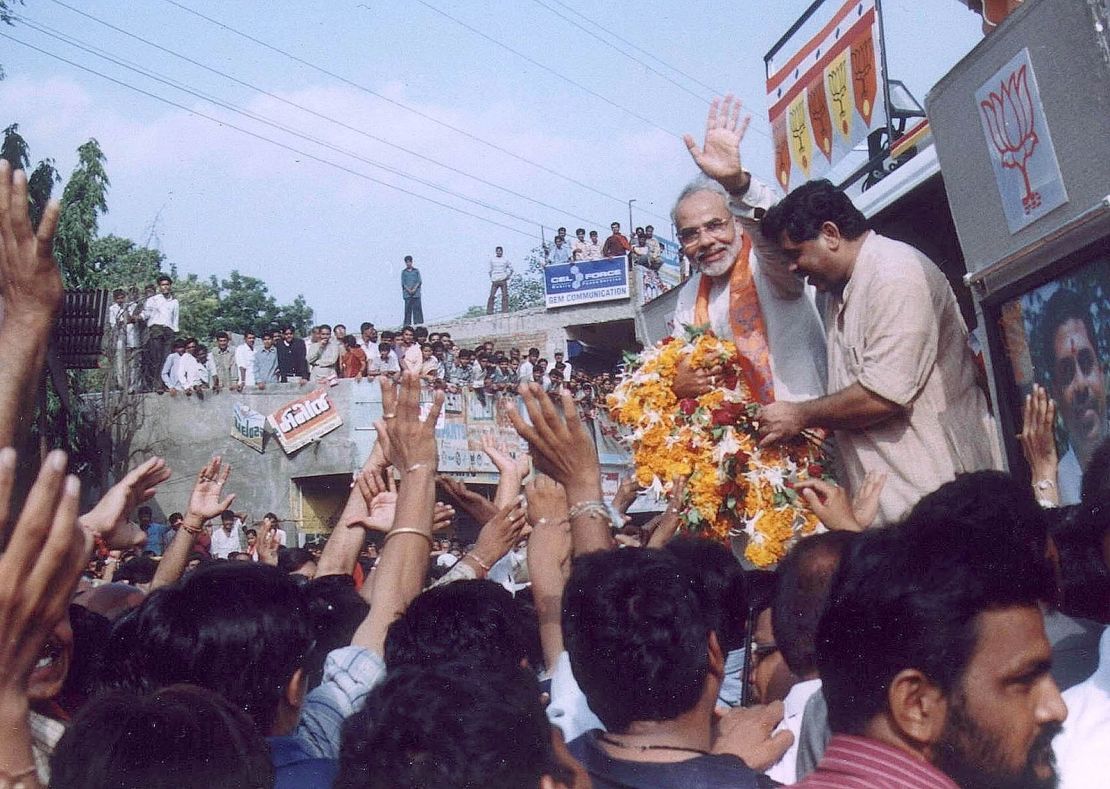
[{"x": 933, "y": 658}]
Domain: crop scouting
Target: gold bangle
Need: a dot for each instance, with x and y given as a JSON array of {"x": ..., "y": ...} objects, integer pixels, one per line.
[
  {"x": 404, "y": 530},
  {"x": 478, "y": 561}
]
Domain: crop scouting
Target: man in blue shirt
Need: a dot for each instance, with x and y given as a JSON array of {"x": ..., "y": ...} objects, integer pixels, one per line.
[
  {"x": 155, "y": 532},
  {"x": 410, "y": 292}
]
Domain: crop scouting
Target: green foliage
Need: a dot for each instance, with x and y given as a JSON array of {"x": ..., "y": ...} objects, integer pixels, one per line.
[
  {"x": 40, "y": 183},
  {"x": 475, "y": 311},
  {"x": 526, "y": 287},
  {"x": 237, "y": 303},
  {"x": 116, "y": 262},
  {"x": 83, "y": 201}
]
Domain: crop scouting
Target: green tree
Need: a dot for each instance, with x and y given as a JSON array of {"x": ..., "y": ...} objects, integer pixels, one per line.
[
  {"x": 235, "y": 304},
  {"x": 84, "y": 199},
  {"x": 526, "y": 287},
  {"x": 200, "y": 300},
  {"x": 41, "y": 181},
  {"x": 116, "y": 262}
]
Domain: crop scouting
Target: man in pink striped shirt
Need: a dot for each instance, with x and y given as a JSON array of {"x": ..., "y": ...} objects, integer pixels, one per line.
[{"x": 934, "y": 661}]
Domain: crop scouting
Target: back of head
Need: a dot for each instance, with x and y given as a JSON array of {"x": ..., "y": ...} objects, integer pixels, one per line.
[
  {"x": 636, "y": 628},
  {"x": 804, "y": 577},
  {"x": 909, "y": 596},
  {"x": 472, "y": 620},
  {"x": 722, "y": 578},
  {"x": 461, "y": 725},
  {"x": 1096, "y": 479},
  {"x": 180, "y": 737},
  {"x": 238, "y": 628},
  {"x": 802, "y": 213}
]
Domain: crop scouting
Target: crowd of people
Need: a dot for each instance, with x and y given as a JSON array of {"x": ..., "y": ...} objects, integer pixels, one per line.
[{"x": 946, "y": 628}]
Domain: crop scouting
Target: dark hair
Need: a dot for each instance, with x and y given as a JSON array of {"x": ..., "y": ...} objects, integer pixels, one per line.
[
  {"x": 365, "y": 325},
  {"x": 181, "y": 736},
  {"x": 1064, "y": 305},
  {"x": 1084, "y": 579},
  {"x": 291, "y": 560},
  {"x": 420, "y": 331},
  {"x": 287, "y": 327},
  {"x": 238, "y": 628},
  {"x": 533, "y": 351},
  {"x": 467, "y": 619},
  {"x": 636, "y": 627},
  {"x": 384, "y": 347},
  {"x": 222, "y": 335},
  {"x": 909, "y": 596},
  {"x": 174, "y": 517},
  {"x": 139, "y": 570},
  {"x": 803, "y": 587},
  {"x": 350, "y": 341},
  {"x": 179, "y": 343},
  {"x": 802, "y": 213},
  {"x": 723, "y": 581},
  {"x": 119, "y": 292},
  {"x": 456, "y": 725},
  {"x": 323, "y": 326},
  {"x": 146, "y": 510},
  {"x": 408, "y": 258},
  {"x": 163, "y": 278},
  {"x": 1096, "y": 479},
  {"x": 336, "y": 610}
]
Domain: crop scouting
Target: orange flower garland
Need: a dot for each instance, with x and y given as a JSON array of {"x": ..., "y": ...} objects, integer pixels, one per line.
[{"x": 733, "y": 487}]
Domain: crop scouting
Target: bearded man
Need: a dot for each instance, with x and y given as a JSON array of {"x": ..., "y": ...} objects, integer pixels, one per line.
[{"x": 743, "y": 289}]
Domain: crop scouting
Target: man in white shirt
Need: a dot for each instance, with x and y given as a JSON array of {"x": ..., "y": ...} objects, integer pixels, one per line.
[
  {"x": 123, "y": 317},
  {"x": 578, "y": 247},
  {"x": 160, "y": 312},
  {"x": 225, "y": 539},
  {"x": 593, "y": 247},
  {"x": 244, "y": 359},
  {"x": 524, "y": 372},
  {"x": 382, "y": 362},
  {"x": 408, "y": 352},
  {"x": 567, "y": 369},
  {"x": 191, "y": 374},
  {"x": 169, "y": 373},
  {"x": 500, "y": 269}
]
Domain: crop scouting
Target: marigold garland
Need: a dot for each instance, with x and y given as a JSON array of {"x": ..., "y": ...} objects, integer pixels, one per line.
[{"x": 733, "y": 486}]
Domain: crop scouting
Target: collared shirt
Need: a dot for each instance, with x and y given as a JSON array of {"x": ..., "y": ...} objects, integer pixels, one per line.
[
  {"x": 224, "y": 543},
  {"x": 323, "y": 360},
  {"x": 156, "y": 537},
  {"x": 616, "y": 244},
  {"x": 189, "y": 372},
  {"x": 1081, "y": 745},
  {"x": 559, "y": 254},
  {"x": 897, "y": 331},
  {"x": 45, "y": 733},
  {"x": 161, "y": 310},
  {"x": 500, "y": 269},
  {"x": 524, "y": 372},
  {"x": 410, "y": 282},
  {"x": 169, "y": 370},
  {"x": 389, "y": 365},
  {"x": 785, "y": 770},
  {"x": 863, "y": 763},
  {"x": 292, "y": 358},
  {"x": 579, "y": 249},
  {"x": 411, "y": 358},
  {"x": 592, "y": 250},
  {"x": 266, "y": 365},
  {"x": 226, "y": 368},
  {"x": 244, "y": 359},
  {"x": 120, "y": 321},
  {"x": 350, "y": 673}
]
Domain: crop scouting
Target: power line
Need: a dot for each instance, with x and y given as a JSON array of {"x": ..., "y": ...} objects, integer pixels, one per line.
[
  {"x": 92, "y": 50},
  {"x": 626, "y": 42},
  {"x": 548, "y": 69},
  {"x": 624, "y": 52},
  {"x": 322, "y": 116},
  {"x": 263, "y": 137},
  {"x": 403, "y": 106}
]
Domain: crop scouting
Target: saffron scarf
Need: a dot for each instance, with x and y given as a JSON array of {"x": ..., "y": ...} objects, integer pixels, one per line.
[{"x": 745, "y": 317}]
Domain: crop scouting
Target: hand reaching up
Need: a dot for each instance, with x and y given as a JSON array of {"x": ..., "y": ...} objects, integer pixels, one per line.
[
  {"x": 719, "y": 156},
  {"x": 408, "y": 442},
  {"x": 205, "y": 502},
  {"x": 500, "y": 533},
  {"x": 30, "y": 282},
  {"x": 475, "y": 504},
  {"x": 108, "y": 518},
  {"x": 560, "y": 446},
  {"x": 39, "y": 569},
  {"x": 830, "y": 503},
  {"x": 267, "y": 543}
]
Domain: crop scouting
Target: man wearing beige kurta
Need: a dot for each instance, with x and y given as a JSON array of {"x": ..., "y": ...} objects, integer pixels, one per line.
[{"x": 904, "y": 400}]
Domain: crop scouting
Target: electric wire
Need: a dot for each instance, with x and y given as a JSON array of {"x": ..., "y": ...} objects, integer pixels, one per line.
[
  {"x": 323, "y": 116},
  {"x": 163, "y": 79},
  {"x": 394, "y": 102},
  {"x": 263, "y": 137},
  {"x": 548, "y": 69}
]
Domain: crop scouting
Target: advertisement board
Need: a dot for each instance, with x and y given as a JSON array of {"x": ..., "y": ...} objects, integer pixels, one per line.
[
  {"x": 248, "y": 426},
  {"x": 304, "y": 420},
  {"x": 585, "y": 281}
]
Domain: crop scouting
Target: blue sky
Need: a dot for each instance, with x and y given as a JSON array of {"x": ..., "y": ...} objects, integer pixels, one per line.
[{"x": 224, "y": 200}]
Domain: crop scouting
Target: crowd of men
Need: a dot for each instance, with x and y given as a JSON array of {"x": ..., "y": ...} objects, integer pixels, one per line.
[{"x": 947, "y": 627}]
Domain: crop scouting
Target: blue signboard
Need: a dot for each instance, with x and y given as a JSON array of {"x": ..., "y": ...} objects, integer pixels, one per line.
[{"x": 586, "y": 281}]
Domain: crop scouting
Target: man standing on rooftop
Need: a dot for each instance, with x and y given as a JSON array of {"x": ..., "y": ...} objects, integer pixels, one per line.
[{"x": 410, "y": 292}]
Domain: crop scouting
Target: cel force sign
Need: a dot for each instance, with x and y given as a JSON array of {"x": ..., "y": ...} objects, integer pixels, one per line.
[{"x": 585, "y": 281}]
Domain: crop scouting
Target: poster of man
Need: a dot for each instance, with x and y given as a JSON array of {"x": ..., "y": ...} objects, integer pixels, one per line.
[{"x": 1058, "y": 336}]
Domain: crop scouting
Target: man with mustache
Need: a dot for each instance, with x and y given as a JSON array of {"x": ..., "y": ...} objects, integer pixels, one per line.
[
  {"x": 743, "y": 289},
  {"x": 903, "y": 392},
  {"x": 933, "y": 656}
]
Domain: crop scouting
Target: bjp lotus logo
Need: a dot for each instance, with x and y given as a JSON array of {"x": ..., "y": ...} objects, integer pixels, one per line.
[{"x": 1009, "y": 116}]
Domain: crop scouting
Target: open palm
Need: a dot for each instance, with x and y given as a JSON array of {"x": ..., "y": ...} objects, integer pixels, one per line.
[
  {"x": 205, "y": 501},
  {"x": 719, "y": 156}
]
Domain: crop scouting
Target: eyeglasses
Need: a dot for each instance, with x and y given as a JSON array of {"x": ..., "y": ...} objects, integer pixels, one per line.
[
  {"x": 717, "y": 228},
  {"x": 762, "y": 651}
]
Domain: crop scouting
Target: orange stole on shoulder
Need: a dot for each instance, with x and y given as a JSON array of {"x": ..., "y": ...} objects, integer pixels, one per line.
[{"x": 745, "y": 316}]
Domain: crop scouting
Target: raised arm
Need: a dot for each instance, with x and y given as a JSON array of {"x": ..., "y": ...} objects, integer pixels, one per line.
[
  {"x": 563, "y": 450},
  {"x": 204, "y": 503},
  {"x": 410, "y": 446},
  {"x": 38, "y": 573},
  {"x": 108, "y": 518},
  {"x": 548, "y": 560},
  {"x": 31, "y": 291},
  {"x": 341, "y": 551}
]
